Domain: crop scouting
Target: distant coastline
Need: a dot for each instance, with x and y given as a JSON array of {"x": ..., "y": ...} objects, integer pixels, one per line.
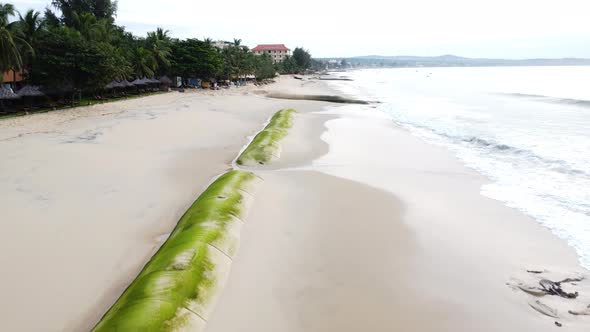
[{"x": 445, "y": 61}]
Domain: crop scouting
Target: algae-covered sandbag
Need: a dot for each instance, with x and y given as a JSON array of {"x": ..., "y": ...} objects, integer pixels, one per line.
[
  {"x": 176, "y": 289},
  {"x": 264, "y": 147}
]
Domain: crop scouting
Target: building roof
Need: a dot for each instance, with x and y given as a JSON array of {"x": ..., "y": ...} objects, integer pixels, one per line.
[
  {"x": 8, "y": 76},
  {"x": 270, "y": 47}
]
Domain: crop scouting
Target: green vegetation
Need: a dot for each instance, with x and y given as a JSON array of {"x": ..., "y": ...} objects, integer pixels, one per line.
[
  {"x": 298, "y": 63},
  {"x": 239, "y": 61},
  {"x": 74, "y": 49},
  {"x": 174, "y": 284},
  {"x": 12, "y": 45},
  {"x": 265, "y": 145}
]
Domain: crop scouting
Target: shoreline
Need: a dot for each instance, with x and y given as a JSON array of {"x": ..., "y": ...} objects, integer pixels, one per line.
[{"x": 462, "y": 276}]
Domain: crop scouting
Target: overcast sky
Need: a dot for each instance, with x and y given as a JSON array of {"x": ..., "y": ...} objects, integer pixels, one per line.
[{"x": 473, "y": 28}]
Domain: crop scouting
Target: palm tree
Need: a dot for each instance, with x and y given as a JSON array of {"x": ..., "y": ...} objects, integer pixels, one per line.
[
  {"x": 10, "y": 52},
  {"x": 143, "y": 62},
  {"x": 158, "y": 43},
  {"x": 85, "y": 23},
  {"x": 29, "y": 27}
]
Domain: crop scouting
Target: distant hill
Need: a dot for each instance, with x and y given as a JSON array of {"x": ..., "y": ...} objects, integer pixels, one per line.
[{"x": 457, "y": 61}]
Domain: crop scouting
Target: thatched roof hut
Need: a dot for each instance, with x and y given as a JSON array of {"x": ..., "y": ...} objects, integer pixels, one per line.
[
  {"x": 30, "y": 91},
  {"x": 111, "y": 85},
  {"x": 138, "y": 82},
  {"x": 165, "y": 80},
  {"x": 7, "y": 94},
  {"x": 126, "y": 84}
]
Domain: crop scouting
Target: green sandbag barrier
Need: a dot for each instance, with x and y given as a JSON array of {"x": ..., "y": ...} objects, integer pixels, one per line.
[
  {"x": 175, "y": 290},
  {"x": 265, "y": 145}
]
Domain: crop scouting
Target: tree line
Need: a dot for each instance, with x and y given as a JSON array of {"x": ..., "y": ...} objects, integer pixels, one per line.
[{"x": 76, "y": 43}]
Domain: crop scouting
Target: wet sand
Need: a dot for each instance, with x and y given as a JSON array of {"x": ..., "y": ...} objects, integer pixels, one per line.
[{"x": 381, "y": 232}]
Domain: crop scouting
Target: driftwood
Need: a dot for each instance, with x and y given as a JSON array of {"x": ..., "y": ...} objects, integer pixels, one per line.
[
  {"x": 549, "y": 287},
  {"x": 540, "y": 287},
  {"x": 554, "y": 288}
]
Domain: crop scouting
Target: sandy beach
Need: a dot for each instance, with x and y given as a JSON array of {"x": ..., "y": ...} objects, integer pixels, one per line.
[{"x": 359, "y": 226}]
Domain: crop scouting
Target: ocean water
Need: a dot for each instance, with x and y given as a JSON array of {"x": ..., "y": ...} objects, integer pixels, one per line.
[{"x": 527, "y": 129}]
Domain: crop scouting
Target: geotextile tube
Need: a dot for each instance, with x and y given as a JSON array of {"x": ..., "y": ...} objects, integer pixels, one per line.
[
  {"x": 177, "y": 288},
  {"x": 265, "y": 146}
]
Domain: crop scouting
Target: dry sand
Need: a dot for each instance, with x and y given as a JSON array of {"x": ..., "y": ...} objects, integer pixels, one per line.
[
  {"x": 85, "y": 194},
  {"x": 362, "y": 227}
]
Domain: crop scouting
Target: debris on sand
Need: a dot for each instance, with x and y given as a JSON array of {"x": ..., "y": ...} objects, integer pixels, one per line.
[
  {"x": 554, "y": 288},
  {"x": 544, "y": 309},
  {"x": 584, "y": 312},
  {"x": 553, "y": 298}
]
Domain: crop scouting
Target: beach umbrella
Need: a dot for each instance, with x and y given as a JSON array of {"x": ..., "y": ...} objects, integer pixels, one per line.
[{"x": 7, "y": 94}]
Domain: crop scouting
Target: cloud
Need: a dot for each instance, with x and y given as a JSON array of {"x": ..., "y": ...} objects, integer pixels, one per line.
[{"x": 330, "y": 28}]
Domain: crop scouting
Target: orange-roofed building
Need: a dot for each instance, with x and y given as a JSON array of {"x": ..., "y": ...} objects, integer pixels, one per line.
[{"x": 277, "y": 52}]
